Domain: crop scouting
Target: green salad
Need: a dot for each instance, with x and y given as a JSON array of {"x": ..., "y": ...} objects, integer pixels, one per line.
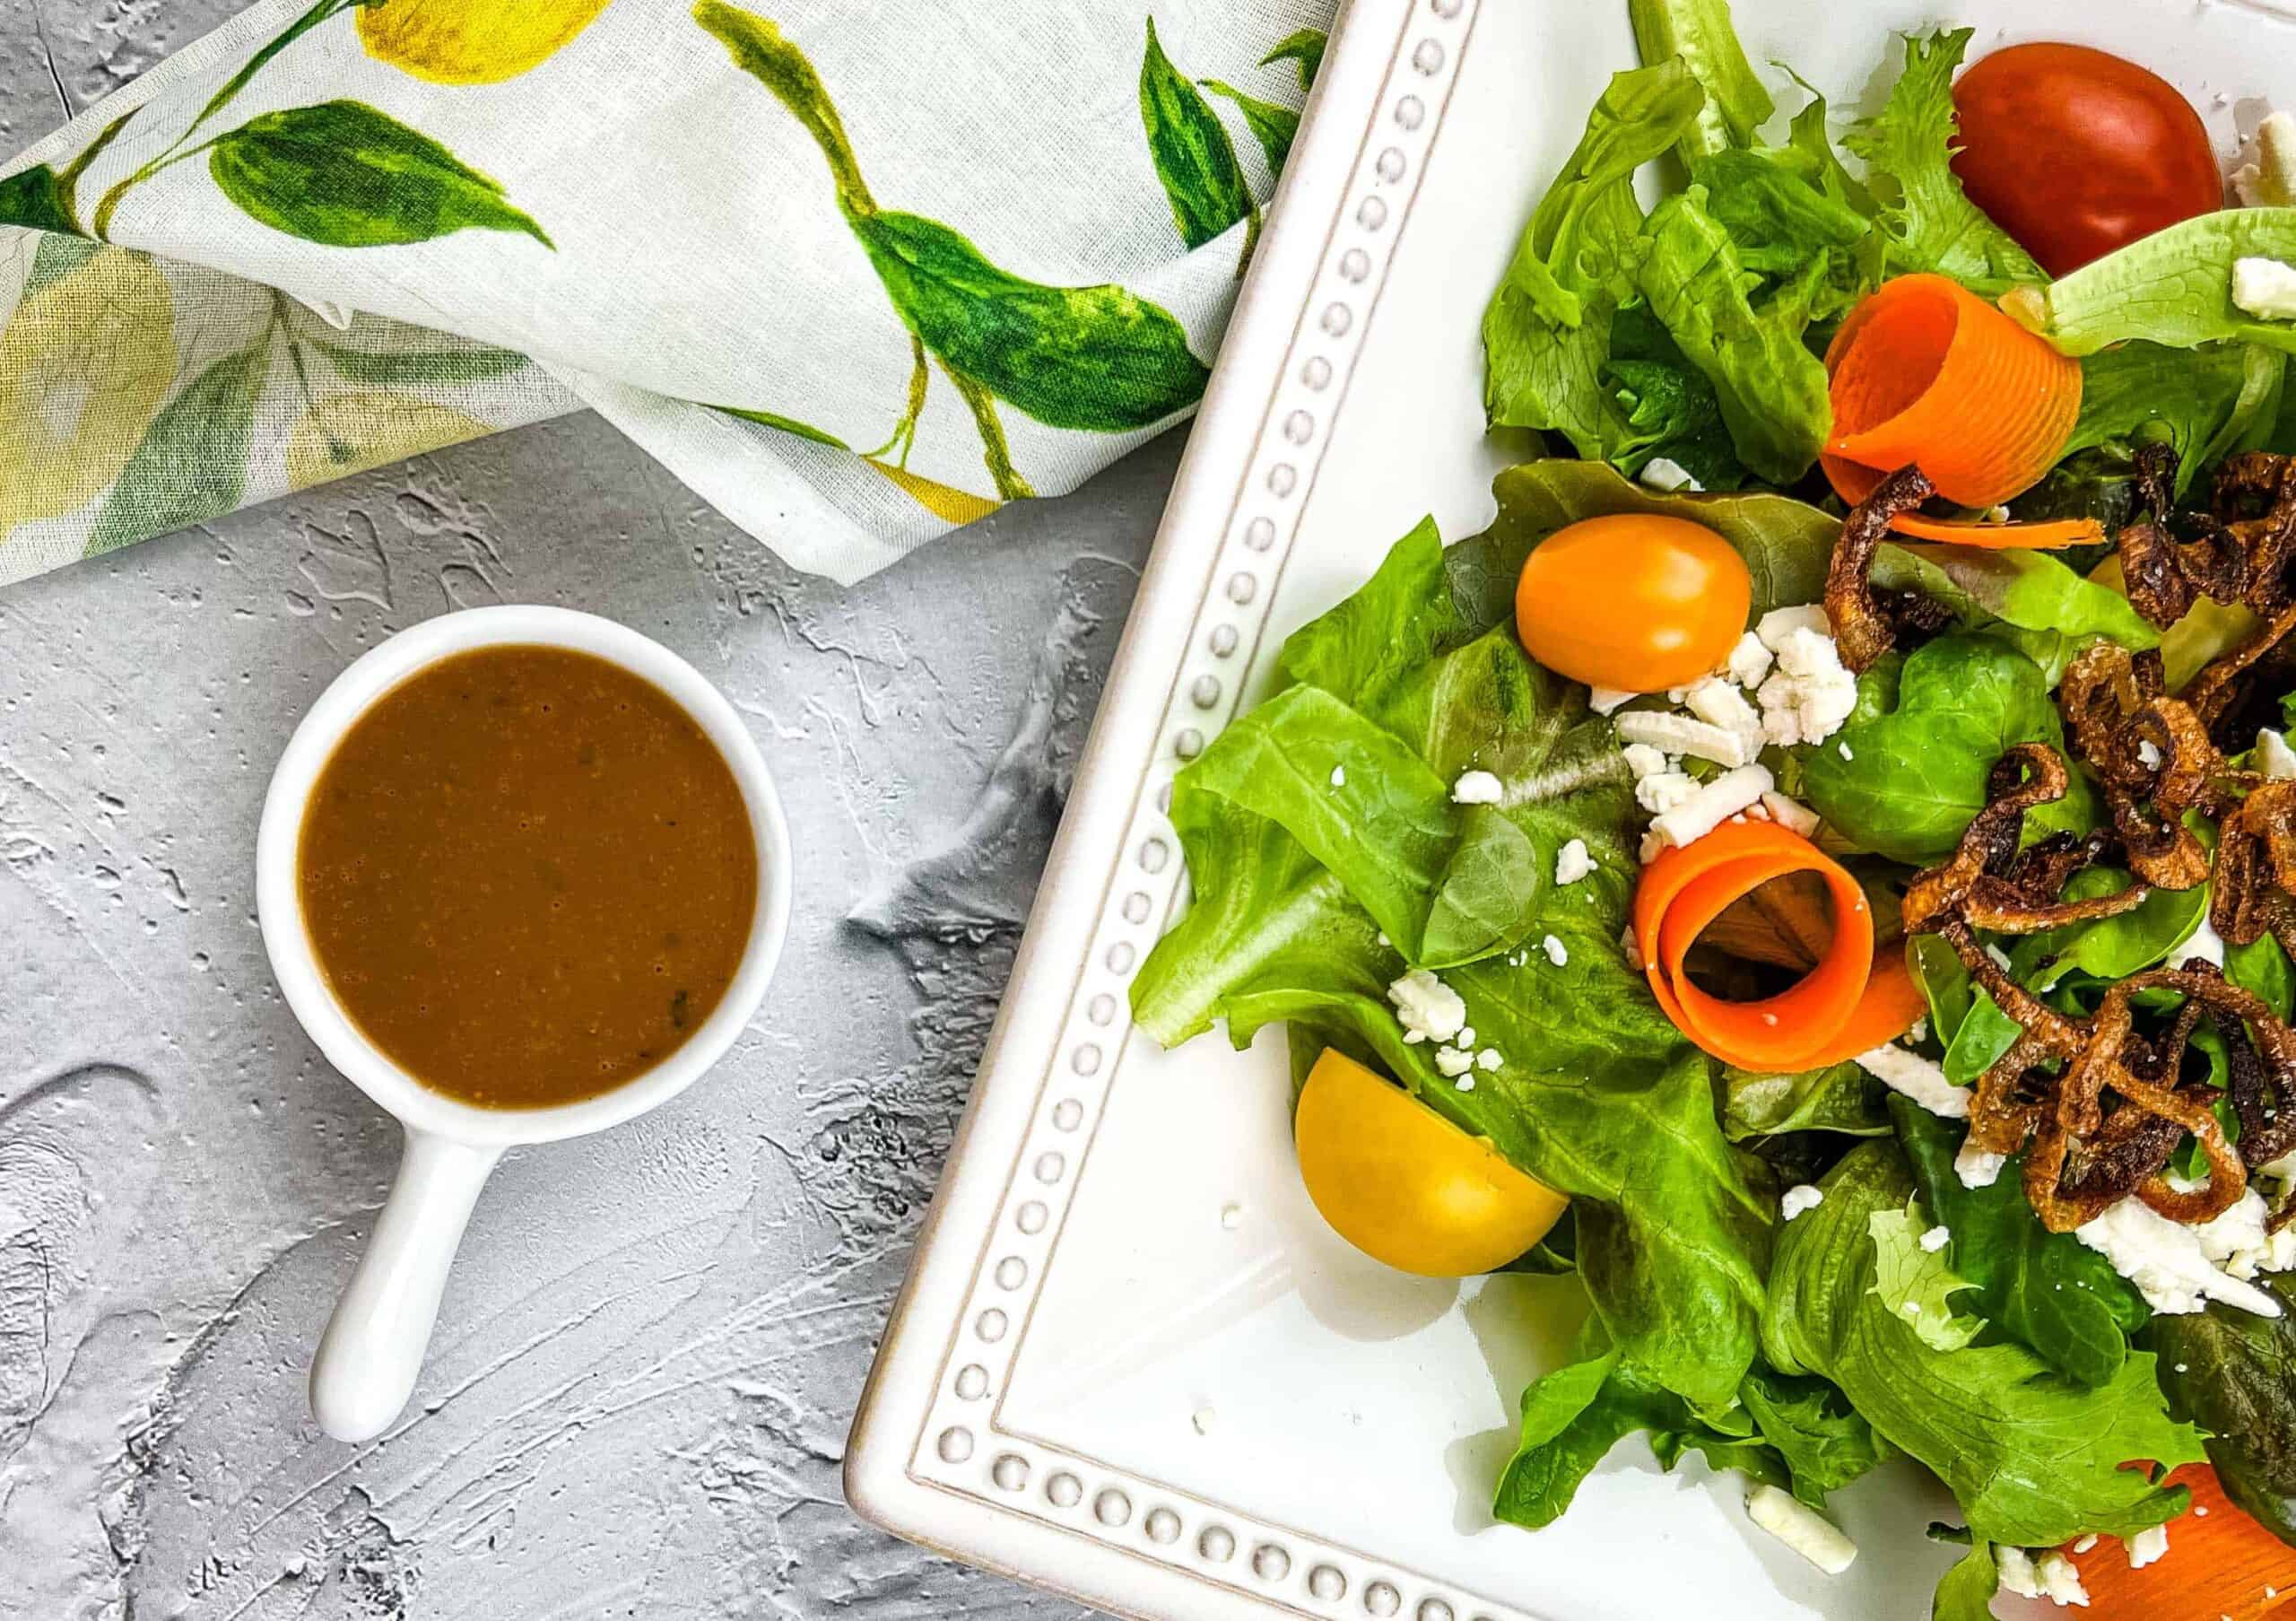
[{"x": 1820, "y": 868}]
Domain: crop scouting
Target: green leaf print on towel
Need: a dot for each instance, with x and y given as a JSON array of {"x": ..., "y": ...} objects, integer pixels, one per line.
[
  {"x": 1273, "y": 126},
  {"x": 1304, "y": 49},
  {"x": 1190, "y": 145},
  {"x": 1099, "y": 359},
  {"x": 192, "y": 464},
  {"x": 347, "y": 176}
]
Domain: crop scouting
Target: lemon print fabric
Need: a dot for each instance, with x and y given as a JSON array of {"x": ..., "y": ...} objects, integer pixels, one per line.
[
  {"x": 471, "y": 41},
  {"x": 85, "y": 362},
  {"x": 951, "y": 506},
  {"x": 362, "y": 428}
]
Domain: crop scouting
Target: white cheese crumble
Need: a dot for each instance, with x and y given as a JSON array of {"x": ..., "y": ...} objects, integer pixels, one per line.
[
  {"x": 2274, "y": 757},
  {"x": 1811, "y": 694},
  {"x": 1919, "y": 1078},
  {"x": 1202, "y": 1419},
  {"x": 2147, "y": 1546},
  {"x": 2148, "y": 754},
  {"x": 1779, "y": 624},
  {"x": 2168, "y": 1262},
  {"x": 1978, "y": 1167},
  {"x": 2085, "y": 1544},
  {"x": 1426, "y": 1007},
  {"x": 2204, "y": 945},
  {"x": 1664, "y": 790},
  {"x": 1799, "y": 1199},
  {"x": 1339, "y": 776},
  {"x": 1682, "y": 734},
  {"x": 2015, "y": 1567},
  {"x": 1572, "y": 862},
  {"x": 1643, "y": 760},
  {"x": 1802, "y": 1529},
  {"x": 1844, "y": 750},
  {"x": 2239, "y": 1240},
  {"x": 2266, "y": 177},
  {"x": 1713, "y": 804},
  {"x": 1609, "y": 700},
  {"x": 1791, "y": 814},
  {"x": 1477, "y": 788},
  {"x": 1452, "y": 1062},
  {"x": 1556, "y": 952},
  {"x": 1749, "y": 661},
  {"x": 2264, "y": 288},
  {"x": 1719, "y": 702},
  {"x": 1936, "y": 1239},
  {"x": 1488, "y": 1059},
  {"x": 1669, "y": 477},
  {"x": 1466, "y": 1038},
  {"x": 2061, "y": 1581}
]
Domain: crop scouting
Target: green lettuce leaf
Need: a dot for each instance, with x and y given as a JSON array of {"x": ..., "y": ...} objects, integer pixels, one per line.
[
  {"x": 2033, "y": 1458},
  {"x": 1667, "y": 406},
  {"x": 2233, "y": 1373},
  {"x": 1908, "y": 772},
  {"x": 1907, "y": 148},
  {"x": 2027, "y": 599},
  {"x": 1811, "y": 1426},
  {"x": 1842, "y": 1098},
  {"x": 2173, "y": 287},
  {"x": 1966, "y": 1593},
  {"x": 1547, "y": 332},
  {"x": 1916, "y": 1284},
  {"x": 2047, "y": 1291},
  {"x": 1774, "y": 203},
  {"x": 1700, "y": 32},
  {"x": 2191, "y": 399}
]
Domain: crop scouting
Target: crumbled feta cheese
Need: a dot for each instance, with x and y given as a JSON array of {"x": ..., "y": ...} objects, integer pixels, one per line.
[
  {"x": 1609, "y": 700},
  {"x": 1572, "y": 862},
  {"x": 1918, "y": 1078},
  {"x": 2015, "y": 1567},
  {"x": 1845, "y": 751},
  {"x": 2085, "y": 1544},
  {"x": 1810, "y": 694},
  {"x": 1681, "y": 734},
  {"x": 1749, "y": 661},
  {"x": 1978, "y": 1167},
  {"x": 1556, "y": 952},
  {"x": 1779, "y": 624},
  {"x": 1465, "y": 1083},
  {"x": 1452, "y": 1062},
  {"x": 1791, "y": 814},
  {"x": 2168, "y": 1262},
  {"x": 1936, "y": 1239},
  {"x": 2147, "y": 1546},
  {"x": 2204, "y": 945},
  {"x": 2274, "y": 757},
  {"x": 2148, "y": 754},
  {"x": 1412, "y": 1038},
  {"x": 1383, "y": 939},
  {"x": 1713, "y": 804},
  {"x": 2266, "y": 177},
  {"x": 1799, "y": 1199},
  {"x": 1202, "y": 1419},
  {"x": 1477, "y": 788},
  {"x": 1643, "y": 760},
  {"x": 1427, "y": 1007},
  {"x": 1466, "y": 1038},
  {"x": 1802, "y": 1529},
  {"x": 1719, "y": 702},
  {"x": 2060, "y": 1582},
  {"x": 1488, "y": 1059},
  {"x": 2240, "y": 1241},
  {"x": 1918, "y": 1032},
  {"x": 1668, "y": 477},
  {"x": 1664, "y": 792},
  {"x": 1339, "y": 776},
  {"x": 2000, "y": 958},
  {"x": 2264, "y": 288}
]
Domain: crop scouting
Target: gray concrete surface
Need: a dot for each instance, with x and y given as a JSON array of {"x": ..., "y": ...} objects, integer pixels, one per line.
[{"x": 650, "y": 1351}]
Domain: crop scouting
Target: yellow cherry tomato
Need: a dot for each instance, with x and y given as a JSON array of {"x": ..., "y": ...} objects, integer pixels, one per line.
[
  {"x": 1404, "y": 1185},
  {"x": 1636, "y": 602}
]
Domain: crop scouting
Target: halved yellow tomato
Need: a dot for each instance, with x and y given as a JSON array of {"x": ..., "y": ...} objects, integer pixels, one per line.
[
  {"x": 1404, "y": 1185},
  {"x": 1636, "y": 601}
]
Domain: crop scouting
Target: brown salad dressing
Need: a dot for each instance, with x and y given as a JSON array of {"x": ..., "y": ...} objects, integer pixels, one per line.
[{"x": 527, "y": 874}]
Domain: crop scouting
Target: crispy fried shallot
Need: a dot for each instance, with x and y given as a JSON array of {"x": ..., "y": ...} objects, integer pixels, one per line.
[
  {"x": 1862, "y": 630},
  {"x": 2256, "y": 868},
  {"x": 2151, "y": 756},
  {"x": 2096, "y": 1106}
]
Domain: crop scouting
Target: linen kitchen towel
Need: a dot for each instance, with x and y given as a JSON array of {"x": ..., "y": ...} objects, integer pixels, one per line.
[{"x": 856, "y": 271}]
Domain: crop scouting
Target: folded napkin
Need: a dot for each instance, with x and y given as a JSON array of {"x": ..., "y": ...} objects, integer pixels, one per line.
[{"x": 856, "y": 271}]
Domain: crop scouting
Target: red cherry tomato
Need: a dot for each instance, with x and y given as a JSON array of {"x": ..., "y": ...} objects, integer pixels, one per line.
[
  {"x": 1635, "y": 601},
  {"x": 2075, "y": 152}
]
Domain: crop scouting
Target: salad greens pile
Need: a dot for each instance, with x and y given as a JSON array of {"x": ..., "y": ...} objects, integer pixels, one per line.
[{"x": 1329, "y": 857}]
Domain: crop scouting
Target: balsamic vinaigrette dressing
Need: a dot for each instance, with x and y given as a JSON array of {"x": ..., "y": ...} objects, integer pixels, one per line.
[{"x": 527, "y": 874}]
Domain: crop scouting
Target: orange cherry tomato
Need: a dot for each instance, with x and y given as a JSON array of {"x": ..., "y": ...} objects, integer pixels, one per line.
[
  {"x": 1635, "y": 602},
  {"x": 2075, "y": 152}
]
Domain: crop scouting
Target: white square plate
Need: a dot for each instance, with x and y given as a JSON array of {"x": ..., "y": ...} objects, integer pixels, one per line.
[{"x": 1131, "y": 1363}]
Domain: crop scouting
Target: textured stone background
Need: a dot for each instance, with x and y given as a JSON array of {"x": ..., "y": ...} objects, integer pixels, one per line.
[{"x": 638, "y": 1400}]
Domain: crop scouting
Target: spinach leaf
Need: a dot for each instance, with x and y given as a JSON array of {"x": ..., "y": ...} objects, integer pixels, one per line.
[
  {"x": 1945, "y": 985},
  {"x": 2110, "y": 948},
  {"x": 2263, "y": 969},
  {"x": 2033, "y": 1458},
  {"x": 1842, "y": 1098},
  {"x": 1983, "y": 1034},
  {"x": 1771, "y": 389},
  {"x": 1787, "y": 544},
  {"x": 2173, "y": 287},
  {"x": 1666, "y": 404},
  {"x": 1546, "y": 331},
  {"x": 1700, "y": 32},
  {"x": 1905, "y": 781},
  {"x": 1907, "y": 148},
  {"x": 2047, "y": 1291},
  {"x": 2233, "y": 1373}
]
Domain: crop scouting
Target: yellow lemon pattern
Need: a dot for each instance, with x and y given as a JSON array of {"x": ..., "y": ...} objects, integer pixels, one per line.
[
  {"x": 362, "y": 428},
  {"x": 471, "y": 41},
  {"x": 949, "y": 505},
  {"x": 83, "y": 365}
]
